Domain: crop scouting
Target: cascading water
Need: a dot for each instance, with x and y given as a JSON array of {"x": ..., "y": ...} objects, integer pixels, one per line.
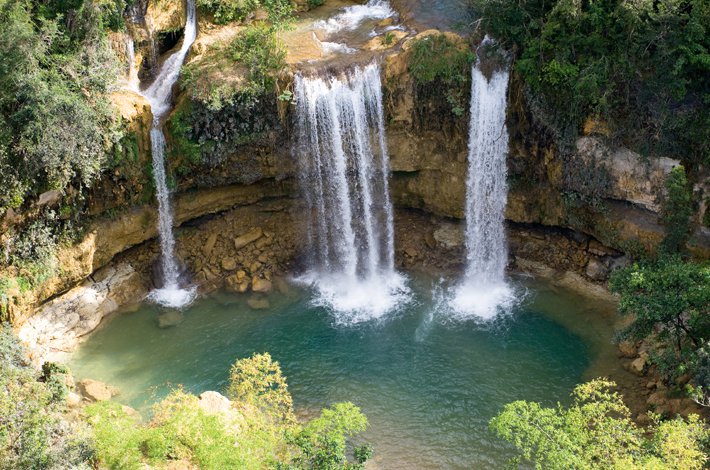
[
  {"x": 484, "y": 289},
  {"x": 158, "y": 95},
  {"x": 344, "y": 163},
  {"x": 132, "y": 74}
]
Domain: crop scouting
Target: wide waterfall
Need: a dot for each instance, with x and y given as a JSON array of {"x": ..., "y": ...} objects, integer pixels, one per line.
[
  {"x": 484, "y": 289},
  {"x": 344, "y": 164},
  {"x": 158, "y": 95}
]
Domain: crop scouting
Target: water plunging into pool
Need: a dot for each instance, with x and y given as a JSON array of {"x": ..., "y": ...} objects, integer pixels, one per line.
[
  {"x": 344, "y": 171},
  {"x": 483, "y": 290},
  {"x": 158, "y": 94}
]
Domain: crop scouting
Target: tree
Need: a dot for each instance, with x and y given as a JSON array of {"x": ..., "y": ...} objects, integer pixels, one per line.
[{"x": 596, "y": 432}]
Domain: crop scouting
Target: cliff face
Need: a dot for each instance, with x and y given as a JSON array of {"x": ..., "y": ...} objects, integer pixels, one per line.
[{"x": 574, "y": 214}]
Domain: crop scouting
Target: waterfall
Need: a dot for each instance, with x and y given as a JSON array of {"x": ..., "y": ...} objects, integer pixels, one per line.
[
  {"x": 344, "y": 171},
  {"x": 484, "y": 289},
  {"x": 132, "y": 74},
  {"x": 158, "y": 95}
]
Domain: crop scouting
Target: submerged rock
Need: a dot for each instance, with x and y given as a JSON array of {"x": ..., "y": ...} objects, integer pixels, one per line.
[
  {"x": 261, "y": 285},
  {"x": 258, "y": 303},
  {"x": 171, "y": 318}
]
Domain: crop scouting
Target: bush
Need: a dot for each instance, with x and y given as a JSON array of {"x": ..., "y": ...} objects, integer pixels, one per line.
[
  {"x": 226, "y": 11},
  {"x": 669, "y": 300},
  {"x": 677, "y": 211},
  {"x": 259, "y": 432},
  {"x": 596, "y": 432},
  {"x": 33, "y": 431},
  {"x": 436, "y": 63}
]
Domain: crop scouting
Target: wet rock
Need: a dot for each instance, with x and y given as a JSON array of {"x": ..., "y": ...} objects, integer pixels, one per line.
[
  {"x": 93, "y": 390},
  {"x": 449, "y": 236},
  {"x": 171, "y": 318},
  {"x": 247, "y": 238},
  {"x": 261, "y": 285},
  {"x": 241, "y": 275}
]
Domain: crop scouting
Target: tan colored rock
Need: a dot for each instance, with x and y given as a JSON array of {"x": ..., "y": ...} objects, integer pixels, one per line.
[
  {"x": 243, "y": 287},
  {"x": 93, "y": 390},
  {"x": 241, "y": 275},
  {"x": 657, "y": 399},
  {"x": 596, "y": 270},
  {"x": 209, "y": 245},
  {"x": 627, "y": 349},
  {"x": 73, "y": 399},
  {"x": 260, "y": 285},
  {"x": 247, "y": 238},
  {"x": 229, "y": 264},
  {"x": 214, "y": 403}
]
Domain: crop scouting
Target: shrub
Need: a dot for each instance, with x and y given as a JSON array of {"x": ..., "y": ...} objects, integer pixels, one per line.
[
  {"x": 438, "y": 63},
  {"x": 677, "y": 211},
  {"x": 596, "y": 431},
  {"x": 226, "y": 11}
]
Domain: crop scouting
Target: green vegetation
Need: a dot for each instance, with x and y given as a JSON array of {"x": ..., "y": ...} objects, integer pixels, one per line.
[
  {"x": 669, "y": 300},
  {"x": 677, "y": 211},
  {"x": 33, "y": 432},
  {"x": 56, "y": 69},
  {"x": 640, "y": 66},
  {"x": 596, "y": 432},
  {"x": 258, "y": 56},
  {"x": 437, "y": 63},
  {"x": 258, "y": 431},
  {"x": 226, "y": 11}
]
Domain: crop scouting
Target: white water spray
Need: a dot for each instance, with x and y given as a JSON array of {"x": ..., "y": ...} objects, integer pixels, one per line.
[
  {"x": 484, "y": 289},
  {"x": 344, "y": 163},
  {"x": 158, "y": 95},
  {"x": 352, "y": 16}
]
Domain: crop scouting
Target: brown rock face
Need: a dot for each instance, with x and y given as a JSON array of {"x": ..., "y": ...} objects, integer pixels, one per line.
[{"x": 247, "y": 238}]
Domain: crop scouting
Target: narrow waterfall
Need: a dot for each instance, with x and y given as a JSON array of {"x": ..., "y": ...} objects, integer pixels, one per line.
[
  {"x": 484, "y": 288},
  {"x": 342, "y": 152},
  {"x": 132, "y": 75},
  {"x": 158, "y": 95}
]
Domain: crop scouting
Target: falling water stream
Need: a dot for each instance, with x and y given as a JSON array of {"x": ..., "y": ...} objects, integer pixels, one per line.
[
  {"x": 158, "y": 95},
  {"x": 342, "y": 152},
  {"x": 484, "y": 290}
]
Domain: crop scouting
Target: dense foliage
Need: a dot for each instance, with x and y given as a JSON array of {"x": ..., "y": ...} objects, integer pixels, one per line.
[
  {"x": 596, "y": 432},
  {"x": 438, "y": 64},
  {"x": 669, "y": 301},
  {"x": 642, "y": 67},
  {"x": 226, "y": 11},
  {"x": 259, "y": 431},
  {"x": 33, "y": 431},
  {"x": 677, "y": 211},
  {"x": 56, "y": 69}
]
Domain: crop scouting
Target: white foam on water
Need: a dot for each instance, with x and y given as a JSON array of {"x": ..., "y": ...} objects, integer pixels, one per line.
[
  {"x": 351, "y": 17},
  {"x": 173, "y": 296}
]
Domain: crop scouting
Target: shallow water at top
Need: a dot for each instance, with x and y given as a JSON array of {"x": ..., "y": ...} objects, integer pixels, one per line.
[
  {"x": 447, "y": 15},
  {"x": 428, "y": 384}
]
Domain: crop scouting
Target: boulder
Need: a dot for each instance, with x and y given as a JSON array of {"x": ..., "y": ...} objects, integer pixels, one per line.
[
  {"x": 596, "y": 270},
  {"x": 627, "y": 349},
  {"x": 93, "y": 390},
  {"x": 229, "y": 264},
  {"x": 261, "y": 285},
  {"x": 209, "y": 245},
  {"x": 214, "y": 403},
  {"x": 247, "y": 238},
  {"x": 638, "y": 365},
  {"x": 449, "y": 236}
]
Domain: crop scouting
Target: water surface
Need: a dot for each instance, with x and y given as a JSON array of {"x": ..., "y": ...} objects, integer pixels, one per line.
[{"x": 428, "y": 385}]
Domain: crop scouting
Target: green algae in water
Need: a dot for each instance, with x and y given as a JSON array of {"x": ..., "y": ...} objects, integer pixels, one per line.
[{"x": 429, "y": 387}]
